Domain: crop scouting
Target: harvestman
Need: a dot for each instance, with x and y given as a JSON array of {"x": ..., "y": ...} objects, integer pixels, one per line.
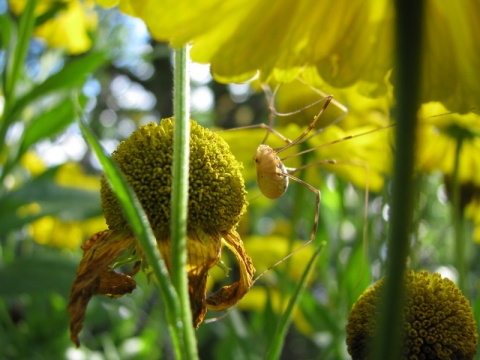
[{"x": 273, "y": 176}]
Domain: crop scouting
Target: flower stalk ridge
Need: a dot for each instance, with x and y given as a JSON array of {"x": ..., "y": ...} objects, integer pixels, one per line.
[
  {"x": 438, "y": 322},
  {"x": 216, "y": 205}
]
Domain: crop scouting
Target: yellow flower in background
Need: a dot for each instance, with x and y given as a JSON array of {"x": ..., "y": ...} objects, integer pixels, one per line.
[
  {"x": 256, "y": 300},
  {"x": 215, "y": 206},
  {"x": 33, "y": 163},
  {"x": 344, "y": 42},
  {"x": 72, "y": 175},
  {"x": 438, "y": 135},
  {"x": 437, "y": 322},
  {"x": 70, "y": 26},
  {"x": 67, "y": 234},
  {"x": 53, "y": 231},
  {"x": 266, "y": 251}
]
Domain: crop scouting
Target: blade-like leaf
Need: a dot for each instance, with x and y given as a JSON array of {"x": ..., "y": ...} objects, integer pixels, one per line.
[
  {"x": 7, "y": 31},
  {"x": 73, "y": 74},
  {"x": 16, "y": 60},
  {"x": 47, "y": 124}
]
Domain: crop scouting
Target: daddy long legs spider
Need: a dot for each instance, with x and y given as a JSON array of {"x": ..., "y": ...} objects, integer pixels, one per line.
[{"x": 273, "y": 176}]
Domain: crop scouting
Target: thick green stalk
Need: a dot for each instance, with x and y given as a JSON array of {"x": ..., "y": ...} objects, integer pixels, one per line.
[
  {"x": 408, "y": 47},
  {"x": 179, "y": 201},
  {"x": 457, "y": 220}
]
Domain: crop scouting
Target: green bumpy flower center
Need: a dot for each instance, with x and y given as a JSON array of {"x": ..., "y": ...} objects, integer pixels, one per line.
[
  {"x": 216, "y": 187},
  {"x": 438, "y": 321}
]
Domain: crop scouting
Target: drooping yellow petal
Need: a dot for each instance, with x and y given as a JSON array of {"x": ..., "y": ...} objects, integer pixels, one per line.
[
  {"x": 345, "y": 42},
  {"x": 203, "y": 252},
  {"x": 229, "y": 295},
  {"x": 451, "y": 63}
]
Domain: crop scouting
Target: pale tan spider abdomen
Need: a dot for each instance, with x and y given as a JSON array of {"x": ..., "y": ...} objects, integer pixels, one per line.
[{"x": 271, "y": 178}]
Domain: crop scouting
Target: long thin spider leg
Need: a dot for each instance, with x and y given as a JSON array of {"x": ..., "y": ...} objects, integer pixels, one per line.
[
  {"x": 309, "y": 128},
  {"x": 361, "y": 164},
  {"x": 323, "y": 96},
  {"x": 339, "y": 105},
  {"x": 314, "y": 229},
  {"x": 270, "y": 97},
  {"x": 275, "y": 112}
]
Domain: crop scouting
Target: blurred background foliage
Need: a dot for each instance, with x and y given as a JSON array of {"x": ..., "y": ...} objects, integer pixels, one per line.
[{"x": 49, "y": 192}]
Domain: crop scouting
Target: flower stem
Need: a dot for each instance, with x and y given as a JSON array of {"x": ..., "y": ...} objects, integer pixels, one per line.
[
  {"x": 408, "y": 46},
  {"x": 179, "y": 201},
  {"x": 457, "y": 220}
]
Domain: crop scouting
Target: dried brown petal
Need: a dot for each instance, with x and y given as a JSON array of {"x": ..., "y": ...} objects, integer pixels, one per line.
[{"x": 94, "y": 275}]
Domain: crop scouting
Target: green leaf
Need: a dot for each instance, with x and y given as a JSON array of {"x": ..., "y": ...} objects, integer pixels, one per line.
[
  {"x": 356, "y": 277},
  {"x": 16, "y": 60},
  {"x": 68, "y": 203},
  {"x": 46, "y": 271},
  {"x": 72, "y": 75},
  {"x": 47, "y": 124},
  {"x": 6, "y": 34}
]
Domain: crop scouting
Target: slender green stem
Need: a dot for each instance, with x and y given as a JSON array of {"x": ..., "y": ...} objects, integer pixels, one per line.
[
  {"x": 458, "y": 221},
  {"x": 179, "y": 201},
  {"x": 408, "y": 43},
  {"x": 286, "y": 319}
]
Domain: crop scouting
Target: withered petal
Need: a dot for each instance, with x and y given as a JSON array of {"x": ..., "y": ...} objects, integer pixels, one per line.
[
  {"x": 100, "y": 251},
  {"x": 229, "y": 295},
  {"x": 203, "y": 252},
  {"x": 114, "y": 284}
]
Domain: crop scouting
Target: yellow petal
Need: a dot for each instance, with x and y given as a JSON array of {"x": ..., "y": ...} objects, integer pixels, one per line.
[
  {"x": 346, "y": 42},
  {"x": 451, "y": 47},
  {"x": 107, "y": 3},
  {"x": 69, "y": 29}
]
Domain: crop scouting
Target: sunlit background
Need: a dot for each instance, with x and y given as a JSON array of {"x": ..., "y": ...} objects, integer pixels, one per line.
[{"x": 50, "y": 204}]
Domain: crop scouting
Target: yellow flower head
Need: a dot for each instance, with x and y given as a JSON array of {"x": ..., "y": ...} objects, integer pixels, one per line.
[
  {"x": 216, "y": 204},
  {"x": 438, "y": 321},
  {"x": 69, "y": 27},
  {"x": 216, "y": 194}
]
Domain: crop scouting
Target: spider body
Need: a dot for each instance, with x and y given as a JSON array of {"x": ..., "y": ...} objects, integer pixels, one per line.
[{"x": 271, "y": 173}]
